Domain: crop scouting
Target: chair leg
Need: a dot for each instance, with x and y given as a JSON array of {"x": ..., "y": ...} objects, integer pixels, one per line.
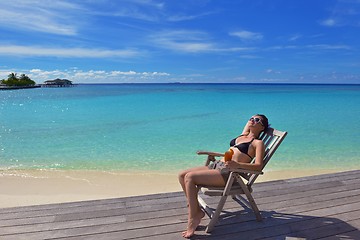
[
  {"x": 205, "y": 207},
  {"x": 221, "y": 204},
  {"x": 215, "y": 216},
  {"x": 250, "y": 198}
]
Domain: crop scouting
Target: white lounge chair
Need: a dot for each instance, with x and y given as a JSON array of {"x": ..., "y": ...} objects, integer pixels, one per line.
[{"x": 272, "y": 139}]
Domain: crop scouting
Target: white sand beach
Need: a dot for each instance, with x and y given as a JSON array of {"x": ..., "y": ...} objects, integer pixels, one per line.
[{"x": 34, "y": 187}]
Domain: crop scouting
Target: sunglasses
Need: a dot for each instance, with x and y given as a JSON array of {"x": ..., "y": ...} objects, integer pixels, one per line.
[{"x": 256, "y": 120}]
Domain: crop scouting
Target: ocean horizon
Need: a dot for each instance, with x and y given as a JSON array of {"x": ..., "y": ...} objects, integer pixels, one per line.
[{"x": 159, "y": 126}]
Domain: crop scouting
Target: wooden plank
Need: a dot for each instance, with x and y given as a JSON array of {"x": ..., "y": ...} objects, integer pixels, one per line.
[
  {"x": 329, "y": 203},
  {"x": 281, "y": 225},
  {"x": 161, "y": 213},
  {"x": 124, "y": 200},
  {"x": 67, "y": 208}
]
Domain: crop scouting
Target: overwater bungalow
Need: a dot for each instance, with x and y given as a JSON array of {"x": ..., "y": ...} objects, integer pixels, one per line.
[{"x": 58, "y": 83}]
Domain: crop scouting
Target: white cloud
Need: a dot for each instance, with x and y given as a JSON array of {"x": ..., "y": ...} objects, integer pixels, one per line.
[
  {"x": 314, "y": 47},
  {"x": 247, "y": 35},
  {"x": 343, "y": 13},
  {"x": 184, "y": 17},
  {"x": 154, "y": 4},
  {"x": 331, "y": 77},
  {"x": 96, "y": 76},
  {"x": 329, "y": 22},
  {"x": 295, "y": 37},
  {"x": 328, "y": 47},
  {"x": 286, "y": 47},
  {"x": 247, "y": 56},
  {"x": 144, "y": 10},
  {"x": 66, "y": 17},
  {"x": 190, "y": 42},
  {"x": 183, "y": 41},
  {"x": 55, "y": 17},
  {"x": 30, "y": 51},
  {"x": 272, "y": 71}
]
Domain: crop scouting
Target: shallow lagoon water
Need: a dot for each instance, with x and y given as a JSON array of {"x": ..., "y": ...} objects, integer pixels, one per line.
[{"x": 159, "y": 127}]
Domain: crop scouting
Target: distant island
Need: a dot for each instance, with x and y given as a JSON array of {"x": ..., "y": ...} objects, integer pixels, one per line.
[{"x": 15, "y": 82}]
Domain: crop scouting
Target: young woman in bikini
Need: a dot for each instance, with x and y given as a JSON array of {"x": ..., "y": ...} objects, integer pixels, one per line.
[{"x": 245, "y": 147}]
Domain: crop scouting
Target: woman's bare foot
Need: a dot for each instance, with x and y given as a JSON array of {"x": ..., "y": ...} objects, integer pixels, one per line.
[{"x": 193, "y": 223}]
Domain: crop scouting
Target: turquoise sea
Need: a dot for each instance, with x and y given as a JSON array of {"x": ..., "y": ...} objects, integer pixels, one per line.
[{"x": 159, "y": 127}]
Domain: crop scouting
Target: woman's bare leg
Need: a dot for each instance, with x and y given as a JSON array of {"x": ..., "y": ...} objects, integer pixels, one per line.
[
  {"x": 183, "y": 173},
  {"x": 192, "y": 179}
]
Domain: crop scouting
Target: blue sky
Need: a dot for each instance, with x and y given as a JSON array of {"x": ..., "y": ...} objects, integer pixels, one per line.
[{"x": 133, "y": 41}]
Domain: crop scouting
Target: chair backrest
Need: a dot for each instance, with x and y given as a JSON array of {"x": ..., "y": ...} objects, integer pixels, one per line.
[{"x": 272, "y": 139}]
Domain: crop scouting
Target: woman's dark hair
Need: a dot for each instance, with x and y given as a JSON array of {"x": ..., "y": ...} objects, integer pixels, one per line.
[{"x": 264, "y": 121}]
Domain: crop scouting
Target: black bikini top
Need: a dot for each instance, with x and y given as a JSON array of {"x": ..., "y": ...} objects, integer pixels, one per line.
[{"x": 243, "y": 147}]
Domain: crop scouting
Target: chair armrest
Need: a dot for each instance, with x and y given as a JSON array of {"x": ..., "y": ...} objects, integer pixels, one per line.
[
  {"x": 211, "y": 156},
  {"x": 214, "y": 154}
]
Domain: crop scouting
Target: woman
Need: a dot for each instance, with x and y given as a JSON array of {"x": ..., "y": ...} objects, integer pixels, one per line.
[{"x": 245, "y": 147}]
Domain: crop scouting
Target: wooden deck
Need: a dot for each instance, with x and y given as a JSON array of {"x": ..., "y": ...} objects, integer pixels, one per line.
[{"x": 318, "y": 207}]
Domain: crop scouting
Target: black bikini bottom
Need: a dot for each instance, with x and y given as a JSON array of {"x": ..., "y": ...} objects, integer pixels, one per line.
[{"x": 219, "y": 165}]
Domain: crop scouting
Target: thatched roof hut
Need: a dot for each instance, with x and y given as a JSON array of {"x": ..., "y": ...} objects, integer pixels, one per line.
[{"x": 58, "y": 83}]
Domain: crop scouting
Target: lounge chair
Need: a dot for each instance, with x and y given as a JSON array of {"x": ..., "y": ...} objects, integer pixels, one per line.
[{"x": 272, "y": 138}]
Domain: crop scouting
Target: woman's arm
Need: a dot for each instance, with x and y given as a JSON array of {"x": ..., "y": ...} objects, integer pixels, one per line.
[
  {"x": 246, "y": 129},
  {"x": 259, "y": 153}
]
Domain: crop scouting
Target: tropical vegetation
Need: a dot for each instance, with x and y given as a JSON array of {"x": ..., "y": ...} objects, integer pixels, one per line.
[{"x": 14, "y": 80}]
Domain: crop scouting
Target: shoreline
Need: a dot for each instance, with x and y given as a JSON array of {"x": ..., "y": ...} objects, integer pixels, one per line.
[
  {"x": 36, "y": 187},
  {"x": 18, "y": 87}
]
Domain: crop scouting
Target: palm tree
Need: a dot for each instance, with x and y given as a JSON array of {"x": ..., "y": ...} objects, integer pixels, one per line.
[
  {"x": 24, "y": 77},
  {"x": 12, "y": 76}
]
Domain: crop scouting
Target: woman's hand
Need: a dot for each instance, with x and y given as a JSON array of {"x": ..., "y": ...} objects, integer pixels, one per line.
[{"x": 232, "y": 164}]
